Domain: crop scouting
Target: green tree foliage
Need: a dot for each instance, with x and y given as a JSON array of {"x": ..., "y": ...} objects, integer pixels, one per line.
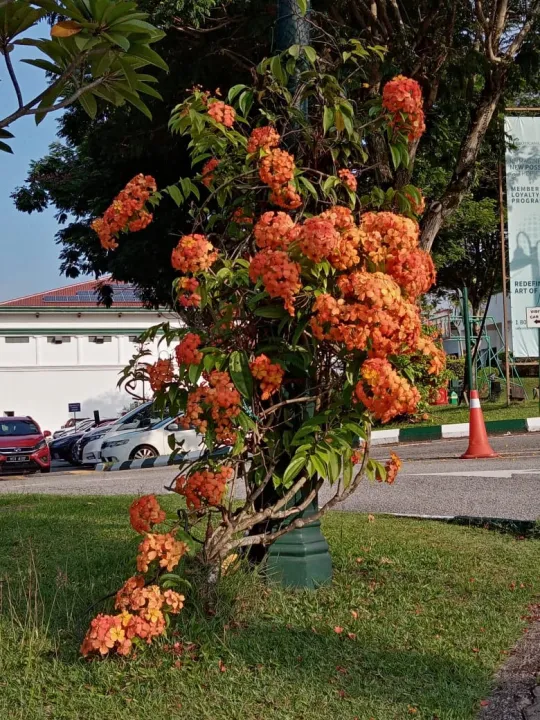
[
  {"x": 467, "y": 252},
  {"x": 96, "y": 51},
  {"x": 471, "y": 60}
]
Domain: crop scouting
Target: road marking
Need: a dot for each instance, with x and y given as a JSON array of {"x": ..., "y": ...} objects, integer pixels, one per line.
[{"x": 475, "y": 473}]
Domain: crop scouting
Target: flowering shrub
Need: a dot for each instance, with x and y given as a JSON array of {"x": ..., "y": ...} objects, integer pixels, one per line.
[
  {"x": 299, "y": 305},
  {"x": 143, "y": 605}
]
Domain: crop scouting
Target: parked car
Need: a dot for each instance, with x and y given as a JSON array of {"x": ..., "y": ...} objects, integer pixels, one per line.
[
  {"x": 23, "y": 446},
  {"x": 80, "y": 426},
  {"x": 149, "y": 442},
  {"x": 63, "y": 448},
  {"x": 89, "y": 446}
]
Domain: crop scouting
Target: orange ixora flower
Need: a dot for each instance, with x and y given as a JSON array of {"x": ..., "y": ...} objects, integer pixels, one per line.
[
  {"x": 186, "y": 351},
  {"x": 144, "y": 513},
  {"x": 208, "y": 171},
  {"x": 241, "y": 217},
  {"x": 392, "y": 468},
  {"x": 160, "y": 373},
  {"x": 164, "y": 548},
  {"x": 318, "y": 239},
  {"x": 193, "y": 253},
  {"x": 385, "y": 393},
  {"x": 348, "y": 179},
  {"x": 221, "y": 112},
  {"x": 277, "y": 168},
  {"x": 279, "y": 275},
  {"x": 285, "y": 197},
  {"x": 126, "y": 212},
  {"x": 269, "y": 375},
  {"x": 387, "y": 234},
  {"x": 436, "y": 354},
  {"x": 204, "y": 487},
  {"x": 216, "y": 400},
  {"x": 187, "y": 295},
  {"x": 274, "y": 230},
  {"x": 413, "y": 271},
  {"x": 264, "y": 138},
  {"x": 402, "y": 97}
]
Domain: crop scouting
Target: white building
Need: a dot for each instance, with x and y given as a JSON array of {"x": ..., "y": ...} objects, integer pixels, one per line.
[{"x": 60, "y": 347}]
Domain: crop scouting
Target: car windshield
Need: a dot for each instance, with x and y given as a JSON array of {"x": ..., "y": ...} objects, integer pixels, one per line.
[{"x": 9, "y": 428}]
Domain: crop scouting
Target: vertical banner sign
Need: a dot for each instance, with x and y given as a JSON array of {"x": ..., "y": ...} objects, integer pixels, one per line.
[{"x": 523, "y": 202}]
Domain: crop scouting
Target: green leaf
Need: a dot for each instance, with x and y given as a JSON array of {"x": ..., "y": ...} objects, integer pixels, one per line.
[
  {"x": 44, "y": 65},
  {"x": 270, "y": 311},
  {"x": 117, "y": 38},
  {"x": 347, "y": 473},
  {"x": 246, "y": 101},
  {"x": 89, "y": 103},
  {"x": 171, "y": 441},
  {"x": 333, "y": 466},
  {"x": 339, "y": 120},
  {"x": 245, "y": 422},
  {"x": 194, "y": 373},
  {"x": 175, "y": 194},
  {"x": 309, "y": 186},
  {"x": 328, "y": 118},
  {"x": 293, "y": 469},
  {"x": 294, "y": 50},
  {"x": 310, "y": 53},
  {"x": 235, "y": 91},
  {"x": 396, "y": 156},
  {"x": 4, "y": 147},
  {"x": 151, "y": 56},
  {"x": 302, "y": 6},
  {"x": 277, "y": 70},
  {"x": 316, "y": 465},
  {"x": 240, "y": 373}
]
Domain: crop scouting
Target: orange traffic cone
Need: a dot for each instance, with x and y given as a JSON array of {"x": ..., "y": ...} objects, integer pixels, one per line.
[{"x": 479, "y": 446}]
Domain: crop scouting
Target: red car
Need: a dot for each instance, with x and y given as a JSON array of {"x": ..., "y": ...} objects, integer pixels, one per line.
[{"x": 23, "y": 447}]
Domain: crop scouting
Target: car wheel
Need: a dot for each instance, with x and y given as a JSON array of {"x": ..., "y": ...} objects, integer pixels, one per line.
[
  {"x": 46, "y": 470},
  {"x": 143, "y": 452}
]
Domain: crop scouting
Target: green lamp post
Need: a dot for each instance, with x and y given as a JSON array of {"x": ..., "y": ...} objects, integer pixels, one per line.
[{"x": 301, "y": 558}]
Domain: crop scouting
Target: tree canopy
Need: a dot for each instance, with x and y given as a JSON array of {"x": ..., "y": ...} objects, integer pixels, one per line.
[{"x": 470, "y": 59}]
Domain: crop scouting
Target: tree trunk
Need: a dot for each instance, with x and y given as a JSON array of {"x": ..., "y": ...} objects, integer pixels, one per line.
[{"x": 463, "y": 173}]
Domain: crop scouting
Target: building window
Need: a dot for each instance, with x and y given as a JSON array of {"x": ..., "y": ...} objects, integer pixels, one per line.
[
  {"x": 17, "y": 339},
  {"x": 134, "y": 338},
  {"x": 58, "y": 339},
  {"x": 99, "y": 339}
]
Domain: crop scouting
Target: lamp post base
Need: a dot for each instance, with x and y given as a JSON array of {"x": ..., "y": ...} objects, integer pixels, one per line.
[{"x": 301, "y": 558}]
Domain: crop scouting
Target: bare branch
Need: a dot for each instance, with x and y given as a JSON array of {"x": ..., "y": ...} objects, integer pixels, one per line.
[
  {"x": 518, "y": 41},
  {"x": 13, "y": 77}
]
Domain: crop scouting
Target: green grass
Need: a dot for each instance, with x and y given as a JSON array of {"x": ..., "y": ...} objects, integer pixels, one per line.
[
  {"x": 447, "y": 414},
  {"x": 436, "y": 605}
]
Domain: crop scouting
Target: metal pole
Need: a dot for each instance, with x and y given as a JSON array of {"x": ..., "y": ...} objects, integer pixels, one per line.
[
  {"x": 505, "y": 308},
  {"x": 467, "y": 323}
]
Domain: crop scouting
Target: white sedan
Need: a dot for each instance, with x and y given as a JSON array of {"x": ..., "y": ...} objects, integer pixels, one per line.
[{"x": 150, "y": 442}]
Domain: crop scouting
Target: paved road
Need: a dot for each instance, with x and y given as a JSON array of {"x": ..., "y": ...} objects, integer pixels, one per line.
[{"x": 433, "y": 481}]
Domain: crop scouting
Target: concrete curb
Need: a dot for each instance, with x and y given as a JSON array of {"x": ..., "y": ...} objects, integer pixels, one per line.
[
  {"x": 160, "y": 461},
  {"x": 457, "y": 430}
]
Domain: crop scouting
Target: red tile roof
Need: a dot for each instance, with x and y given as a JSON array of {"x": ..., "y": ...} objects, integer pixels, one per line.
[{"x": 80, "y": 295}]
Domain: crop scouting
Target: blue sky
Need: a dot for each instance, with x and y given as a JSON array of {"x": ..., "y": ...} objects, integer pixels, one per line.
[{"x": 29, "y": 253}]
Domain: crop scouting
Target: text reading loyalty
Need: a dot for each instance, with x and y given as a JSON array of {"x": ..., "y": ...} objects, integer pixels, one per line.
[{"x": 525, "y": 194}]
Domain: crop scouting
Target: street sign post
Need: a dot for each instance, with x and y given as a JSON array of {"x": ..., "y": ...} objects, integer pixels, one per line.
[
  {"x": 533, "y": 321},
  {"x": 74, "y": 408}
]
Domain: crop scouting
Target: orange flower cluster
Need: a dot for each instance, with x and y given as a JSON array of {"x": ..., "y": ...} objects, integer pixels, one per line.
[
  {"x": 392, "y": 468},
  {"x": 241, "y": 218},
  {"x": 186, "y": 350},
  {"x": 221, "y": 400},
  {"x": 385, "y": 393},
  {"x": 163, "y": 547},
  {"x": 126, "y": 211},
  {"x": 277, "y": 168},
  {"x": 269, "y": 374},
  {"x": 285, "y": 197},
  {"x": 264, "y": 138},
  {"x": 204, "y": 487},
  {"x": 144, "y": 513},
  {"x": 372, "y": 315},
  {"x": 146, "y": 620},
  {"x": 280, "y": 275},
  {"x": 436, "y": 354},
  {"x": 387, "y": 234},
  {"x": 348, "y": 179},
  {"x": 318, "y": 239},
  {"x": 402, "y": 97},
  {"x": 417, "y": 206},
  {"x": 160, "y": 373},
  {"x": 414, "y": 272},
  {"x": 190, "y": 298},
  {"x": 274, "y": 230},
  {"x": 193, "y": 253},
  {"x": 207, "y": 172},
  {"x": 222, "y": 113}
]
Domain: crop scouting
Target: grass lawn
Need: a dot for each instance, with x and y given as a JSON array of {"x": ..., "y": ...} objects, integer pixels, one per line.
[
  {"x": 435, "y": 607},
  {"x": 446, "y": 414}
]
